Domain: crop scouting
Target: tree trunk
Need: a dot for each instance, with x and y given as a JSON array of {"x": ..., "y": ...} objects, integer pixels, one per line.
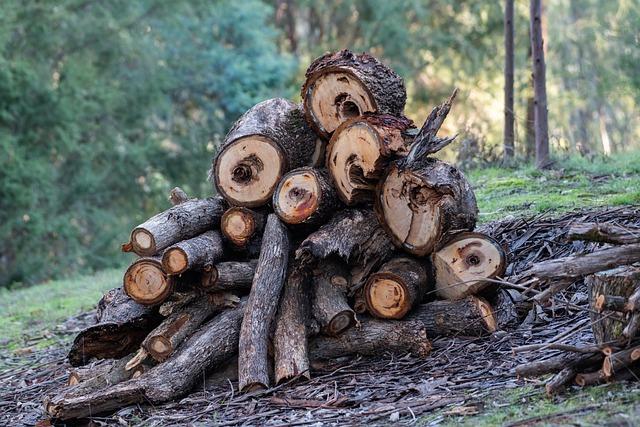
[
  {"x": 355, "y": 236},
  {"x": 464, "y": 261},
  {"x": 539, "y": 85},
  {"x": 360, "y": 150},
  {"x": 262, "y": 305},
  {"x": 374, "y": 337},
  {"x": 397, "y": 287},
  {"x": 242, "y": 228},
  {"x": 122, "y": 325},
  {"x": 230, "y": 276},
  {"x": 146, "y": 282},
  {"x": 181, "y": 222},
  {"x": 266, "y": 142},
  {"x": 197, "y": 253},
  {"x": 343, "y": 85},
  {"x": 472, "y": 316},
  {"x": 530, "y": 132},
  {"x": 421, "y": 202},
  {"x": 210, "y": 346},
  {"x": 305, "y": 196},
  {"x": 509, "y": 113},
  {"x": 329, "y": 303},
  {"x": 605, "y": 233},
  {"x": 290, "y": 339}
]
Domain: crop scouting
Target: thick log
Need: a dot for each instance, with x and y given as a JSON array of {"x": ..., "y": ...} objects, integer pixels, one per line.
[
  {"x": 146, "y": 282},
  {"x": 162, "y": 342},
  {"x": 210, "y": 346},
  {"x": 619, "y": 360},
  {"x": 197, "y": 253},
  {"x": 343, "y": 85},
  {"x": 463, "y": 262},
  {"x": 360, "y": 150},
  {"x": 397, "y": 287},
  {"x": 230, "y": 276},
  {"x": 471, "y": 316},
  {"x": 329, "y": 303},
  {"x": 619, "y": 282},
  {"x": 266, "y": 142},
  {"x": 290, "y": 338},
  {"x": 261, "y": 309},
  {"x": 242, "y": 228},
  {"x": 604, "y": 233},
  {"x": 355, "y": 236},
  {"x": 555, "y": 364},
  {"x": 374, "y": 337},
  {"x": 305, "y": 196},
  {"x": 181, "y": 222},
  {"x": 423, "y": 203},
  {"x": 122, "y": 325},
  {"x": 562, "y": 272}
]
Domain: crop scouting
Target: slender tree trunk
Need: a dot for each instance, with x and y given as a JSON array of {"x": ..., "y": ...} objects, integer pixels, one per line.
[
  {"x": 508, "y": 83},
  {"x": 539, "y": 86}
]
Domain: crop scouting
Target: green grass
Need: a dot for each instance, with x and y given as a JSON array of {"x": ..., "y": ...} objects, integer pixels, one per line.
[
  {"x": 29, "y": 314},
  {"x": 574, "y": 183}
]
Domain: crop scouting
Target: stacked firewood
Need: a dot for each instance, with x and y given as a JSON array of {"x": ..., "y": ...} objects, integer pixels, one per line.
[
  {"x": 612, "y": 276},
  {"x": 335, "y": 233}
]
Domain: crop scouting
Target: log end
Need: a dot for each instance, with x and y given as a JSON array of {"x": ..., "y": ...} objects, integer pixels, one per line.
[
  {"x": 386, "y": 296},
  {"x": 341, "y": 322},
  {"x": 142, "y": 242},
  {"x": 238, "y": 224},
  {"x": 146, "y": 283},
  {"x": 488, "y": 315},
  {"x": 159, "y": 347},
  {"x": 297, "y": 196},
  {"x": 175, "y": 261}
]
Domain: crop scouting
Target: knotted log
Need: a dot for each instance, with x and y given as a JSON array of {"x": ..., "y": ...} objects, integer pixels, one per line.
[
  {"x": 329, "y": 302},
  {"x": 343, "y": 85},
  {"x": 266, "y": 142}
]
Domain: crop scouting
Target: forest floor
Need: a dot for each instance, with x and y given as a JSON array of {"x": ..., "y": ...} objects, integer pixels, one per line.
[{"x": 39, "y": 322}]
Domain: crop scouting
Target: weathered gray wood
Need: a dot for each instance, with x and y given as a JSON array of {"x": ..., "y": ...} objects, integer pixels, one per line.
[
  {"x": 471, "y": 316},
  {"x": 604, "y": 232},
  {"x": 197, "y": 253},
  {"x": 230, "y": 276},
  {"x": 329, "y": 303}
]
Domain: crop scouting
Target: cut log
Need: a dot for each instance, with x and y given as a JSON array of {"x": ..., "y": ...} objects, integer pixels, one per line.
[
  {"x": 360, "y": 150},
  {"x": 471, "y": 316},
  {"x": 210, "y": 346},
  {"x": 563, "y": 272},
  {"x": 266, "y": 142},
  {"x": 590, "y": 378},
  {"x": 122, "y": 325},
  {"x": 290, "y": 338},
  {"x": 397, "y": 287},
  {"x": 181, "y": 222},
  {"x": 463, "y": 262},
  {"x": 605, "y": 233},
  {"x": 422, "y": 203},
  {"x": 253, "y": 361},
  {"x": 374, "y": 337},
  {"x": 243, "y": 227},
  {"x": 619, "y": 360},
  {"x": 578, "y": 362},
  {"x": 305, "y": 196},
  {"x": 329, "y": 303},
  {"x": 355, "y": 236},
  {"x": 230, "y": 276},
  {"x": 560, "y": 381},
  {"x": 165, "y": 339},
  {"x": 197, "y": 253},
  {"x": 620, "y": 283},
  {"x": 610, "y": 303},
  {"x": 343, "y": 85},
  {"x": 146, "y": 282}
]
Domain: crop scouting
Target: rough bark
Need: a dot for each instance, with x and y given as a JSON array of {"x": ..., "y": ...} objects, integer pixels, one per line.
[
  {"x": 555, "y": 364},
  {"x": 305, "y": 196},
  {"x": 329, "y": 303},
  {"x": 146, "y": 282},
  {"x": 620, "y": 282},
  {"x": 197, "y": 253},
  {"x": 464, "y": 261},
  {"x": 242, "y": 228},
  {"x": 541, "y": 125},
  {"x": 266, "y": 142},
  {"x": 398, "y": 286},
  {"x": 230, "y": 276},
  {"x": 509, "y": 116},
  {"x": 374, "y": 337},
  {"x": 560, "y": 380},
  {"x": 360, "y": 150},
  {"x": 208, "y": 347},
  {"x": 422, "y": 203},
  {"x": 343, "y": 85},
  {"x": 122, "y": 325},
  {"x": 181, "y": 222},
  {"x": 605, "y": 233},
  {"x": 355, "y": 236},
  {"x": 590, "y": 378},
  {"x": 262, "y": 305},
  {"x": 472, "y": 316},
  {"x": 426, "y": 142},
  {"x": 177, "y": 195},
  {"x": 290, "y": 338}
]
